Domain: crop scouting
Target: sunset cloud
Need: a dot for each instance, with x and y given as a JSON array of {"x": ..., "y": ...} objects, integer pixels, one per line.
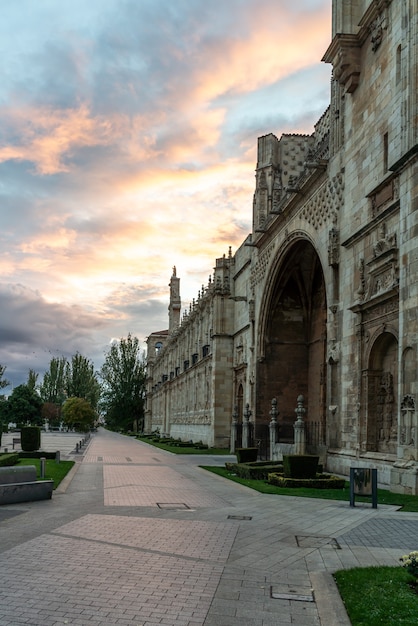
[{"x": 128, "y": 143}]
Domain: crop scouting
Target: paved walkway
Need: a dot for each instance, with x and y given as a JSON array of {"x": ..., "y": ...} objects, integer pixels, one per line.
[{"x": 140, "y": 537}]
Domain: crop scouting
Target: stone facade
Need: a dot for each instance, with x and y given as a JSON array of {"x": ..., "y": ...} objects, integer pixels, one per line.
[{"x": 321, "y": 299}]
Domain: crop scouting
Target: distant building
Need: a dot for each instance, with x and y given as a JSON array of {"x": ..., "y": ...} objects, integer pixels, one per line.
[{"x": 321, "y": 299}]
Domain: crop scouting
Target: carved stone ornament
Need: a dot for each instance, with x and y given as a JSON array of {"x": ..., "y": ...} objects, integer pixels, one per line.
[
  {"x": 383, "y": 267},
  {"x": 334, "y": 247},
  {"x": 344, "y": 55},
  {"x": 375, "y": 22}
]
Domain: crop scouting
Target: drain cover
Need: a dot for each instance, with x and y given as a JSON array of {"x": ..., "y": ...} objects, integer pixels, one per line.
[
  {"x": 300, "y": 595},
  {"x": 316, "y": 542},
  {"x": 172, "y": 505},
  {"x": 240, "y": 517}
]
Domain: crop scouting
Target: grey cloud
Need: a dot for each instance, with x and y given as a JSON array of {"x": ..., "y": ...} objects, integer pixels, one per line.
[{"x": 34, "y": 330}]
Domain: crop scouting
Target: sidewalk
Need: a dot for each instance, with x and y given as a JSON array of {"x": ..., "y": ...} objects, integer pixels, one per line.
[{"x": 141, "y": 537}]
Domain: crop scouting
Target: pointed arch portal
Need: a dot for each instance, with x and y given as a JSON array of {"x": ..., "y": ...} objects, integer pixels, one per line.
[{"x": 293, "y": 341}]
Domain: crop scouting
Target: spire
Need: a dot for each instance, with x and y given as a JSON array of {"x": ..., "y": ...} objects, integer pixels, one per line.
[{"x": 174, "y": 307}]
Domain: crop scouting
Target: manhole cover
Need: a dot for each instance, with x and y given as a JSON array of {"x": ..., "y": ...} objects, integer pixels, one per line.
[
  {"x": 172, "y": 505},
  {"x": 300, "y": 595},
  {"x": 316, "y": 542}
]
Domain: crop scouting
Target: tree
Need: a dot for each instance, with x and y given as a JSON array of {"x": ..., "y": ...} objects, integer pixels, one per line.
[
  {"x": 52, "y": 413},
  {"x": 32, "y": 379},
  {"x": 52, "y": 388},
  {"x": 24, "y": 406},
  {"x": 81, "y": 380},
  {"x": 3, "y": 381},
  {"x": 123, "y": 390},
  {"x": 79, "y": 414}
]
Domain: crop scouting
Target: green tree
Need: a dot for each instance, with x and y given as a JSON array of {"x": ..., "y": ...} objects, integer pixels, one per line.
[
  {"x": 79, "y": 414},
  {"x": 32, "y": 379},
  {"x": 3, "y": 381},
  {"x": 81, "y": 380},
  {"x": 52, "y": 388},
  {"x": 24, "y": 406},
  {"x": 123, "y": 390}
]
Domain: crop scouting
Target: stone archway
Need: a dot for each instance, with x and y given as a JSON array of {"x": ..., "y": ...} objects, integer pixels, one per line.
[
  {"x": 294, "y": 345},
  {"x": 382, "y": 392}
]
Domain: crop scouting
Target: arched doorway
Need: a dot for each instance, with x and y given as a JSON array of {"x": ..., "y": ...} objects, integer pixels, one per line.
[
  {"x": 382, "y": 392},
  {"x": 293, "y": 345}
]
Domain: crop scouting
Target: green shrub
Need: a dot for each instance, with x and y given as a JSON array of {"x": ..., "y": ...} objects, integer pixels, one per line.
[
  {"x": 30, "y": 438},
  {"x": 37, "y": 454},
  {"x": 246, "y": 455},
  {"x": 257, "y": 471},
  {"x": 10, "y": 458},
  {"x": 300, "y": 465},
  {"x": 322, "y": 481}
]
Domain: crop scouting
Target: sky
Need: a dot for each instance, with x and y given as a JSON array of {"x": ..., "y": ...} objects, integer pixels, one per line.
[{"x": 128, "y": 145}]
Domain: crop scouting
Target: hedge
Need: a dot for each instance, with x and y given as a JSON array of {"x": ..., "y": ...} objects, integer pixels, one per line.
[
  {"x": 300, "y": 465},
  {"x": 246, "y": 455},
  {"x": 10, "y": 458},
  {"x": 322, "y": 481},
  {"x": 30, "y": 438},
  {"x": 254, "y": 471}
]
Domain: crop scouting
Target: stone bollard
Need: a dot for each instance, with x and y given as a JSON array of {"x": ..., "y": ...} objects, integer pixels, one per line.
[
  {"x": 57, "y": 456},
  {"x": 42, "y": 460}
]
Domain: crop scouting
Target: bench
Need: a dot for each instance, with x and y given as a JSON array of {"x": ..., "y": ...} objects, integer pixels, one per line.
[
  {"x": 14, "y": 441},
  {"x": 18, "y": 484}
]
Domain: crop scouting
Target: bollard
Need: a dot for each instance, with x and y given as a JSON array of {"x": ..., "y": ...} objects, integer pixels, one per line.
[
  {"x": 76, "y": 448},
  {"x": 42, "y": 460},
  {"x": 57, "y": 456}
]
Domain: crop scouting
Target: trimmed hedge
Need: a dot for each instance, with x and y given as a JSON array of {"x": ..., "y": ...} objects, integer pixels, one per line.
[
  {"x": 10, "y": 458},
  {"x": 322, "y": 481},
  {"x": 37, "y": 454},
  {"x": 246, "y": 455},
  {"x": 254, "y": 471},
  {"x": 30, "y": 438},
  {"x": 300, "y": 465}
]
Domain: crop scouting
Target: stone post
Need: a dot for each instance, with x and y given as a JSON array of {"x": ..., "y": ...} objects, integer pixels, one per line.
[
  {"x": 234, "y": 427},
  {"x": 273, "y": 426},
  {"x": 299, "y": 427},
  {"x": 246, "y": 427}
]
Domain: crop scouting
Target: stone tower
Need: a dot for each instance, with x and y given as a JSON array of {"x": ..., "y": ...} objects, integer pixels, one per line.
[{"x": 175, "y": 302}]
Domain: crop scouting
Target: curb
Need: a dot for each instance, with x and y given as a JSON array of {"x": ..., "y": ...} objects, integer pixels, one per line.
[
  {"x": 65, "y": 483},
  {"x": 331, "y": 609}
]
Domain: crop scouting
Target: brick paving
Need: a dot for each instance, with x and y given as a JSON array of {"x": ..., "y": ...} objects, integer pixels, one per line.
[{"x": 141, "y": 537}]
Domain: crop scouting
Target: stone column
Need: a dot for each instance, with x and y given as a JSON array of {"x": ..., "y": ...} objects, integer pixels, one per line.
[
  {"x": 234, "y": 427},
  {"x": 299, "y": 427},
  {"x": 273, "y": 426},
  {"x": 246, "y": 426}
]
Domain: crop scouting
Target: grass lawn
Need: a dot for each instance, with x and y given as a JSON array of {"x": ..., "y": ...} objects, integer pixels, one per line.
[
  {"x": 378, "y": 596},
  {"x": 56, "y": 471},
  {"x": 183, "y": 450},
  {"x": 408, "y": 503}
]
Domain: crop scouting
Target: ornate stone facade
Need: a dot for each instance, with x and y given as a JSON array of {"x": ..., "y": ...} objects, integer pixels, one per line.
[{"x": 321, "y": 299}]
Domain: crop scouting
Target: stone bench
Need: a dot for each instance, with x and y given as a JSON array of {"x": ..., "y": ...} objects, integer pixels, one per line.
[{"x": 18, "y": 484}]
